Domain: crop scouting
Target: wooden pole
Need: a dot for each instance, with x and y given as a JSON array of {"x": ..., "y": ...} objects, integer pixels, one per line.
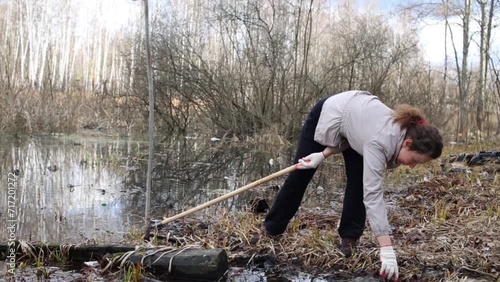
[{"x": 229, "y": 195}]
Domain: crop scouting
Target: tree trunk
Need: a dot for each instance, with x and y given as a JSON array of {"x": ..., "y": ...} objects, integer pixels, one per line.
[
  {"x": 498, "y": 124},
  {"x": 463, "y": 73},
  {"x": 147, "y": 215},
  {"x": 445, "y": 74},
  {"x": 483, "y": 62}
]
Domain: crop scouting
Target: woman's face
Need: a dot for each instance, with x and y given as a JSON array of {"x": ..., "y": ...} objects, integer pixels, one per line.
[{"x": 409, "y": 157}]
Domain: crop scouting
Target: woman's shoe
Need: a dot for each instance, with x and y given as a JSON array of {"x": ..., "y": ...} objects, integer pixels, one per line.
[{"x": 348, "y": 245}]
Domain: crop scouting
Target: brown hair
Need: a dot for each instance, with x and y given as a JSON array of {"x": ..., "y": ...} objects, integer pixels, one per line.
[{"x": 426, "y": 138}]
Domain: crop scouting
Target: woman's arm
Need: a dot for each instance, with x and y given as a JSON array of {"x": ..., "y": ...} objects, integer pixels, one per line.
[
  {"x": 328, "y": 151},
  {"x": 376, "y": 211},
  {"x": 384, "y": 241}
]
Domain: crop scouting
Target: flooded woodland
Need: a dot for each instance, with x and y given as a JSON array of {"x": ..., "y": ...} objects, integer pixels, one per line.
[
  {"x": 117, "y": 115},
  {"x": 75, "y": 190}
]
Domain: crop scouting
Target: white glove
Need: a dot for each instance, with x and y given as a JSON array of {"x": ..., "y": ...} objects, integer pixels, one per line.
[
  {"x": 389, "y": 267},
  {"x": 311, "y": 161}
]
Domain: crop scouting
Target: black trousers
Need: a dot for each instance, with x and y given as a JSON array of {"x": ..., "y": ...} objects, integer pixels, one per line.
[{"x": 289, "y": 197}]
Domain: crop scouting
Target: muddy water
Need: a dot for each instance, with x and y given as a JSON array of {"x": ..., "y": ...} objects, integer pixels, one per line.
[{"x": 72, "y": 189}]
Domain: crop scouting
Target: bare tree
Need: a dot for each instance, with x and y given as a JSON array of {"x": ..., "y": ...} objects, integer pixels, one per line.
[
  {"x": 462, "y": 69},
  {"x": 445, "y": 73},
  {"x": 485, "y": 32},
  {"x": 147, "y": 212},
  {"x": 496, "y": 87}
]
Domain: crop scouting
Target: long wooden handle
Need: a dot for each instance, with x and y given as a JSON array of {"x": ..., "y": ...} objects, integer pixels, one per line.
[{"x": 229, "y": 195}]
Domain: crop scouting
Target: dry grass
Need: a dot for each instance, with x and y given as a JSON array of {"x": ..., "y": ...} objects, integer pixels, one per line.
[
  {"x": 30, "y": 112},
  {"x": 450, "y": 223}
]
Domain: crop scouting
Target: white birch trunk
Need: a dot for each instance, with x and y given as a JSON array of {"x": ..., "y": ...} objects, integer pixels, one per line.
[
  {"x": 22, "y": 43},
  {"x": 463, "y": 79},
  {"x": 132, "y": 67}
]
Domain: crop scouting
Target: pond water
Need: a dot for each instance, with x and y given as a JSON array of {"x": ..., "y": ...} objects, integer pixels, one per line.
[{"x": 71, "y": 189}]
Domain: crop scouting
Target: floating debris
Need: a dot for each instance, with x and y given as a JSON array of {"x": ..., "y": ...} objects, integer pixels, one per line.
[{"x": 52, "y": 168}]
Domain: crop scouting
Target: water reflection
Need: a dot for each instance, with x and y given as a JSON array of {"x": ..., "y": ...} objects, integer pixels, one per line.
[
  {"x": 68, "y": 191},
  {"x": 72, "y": 189}
]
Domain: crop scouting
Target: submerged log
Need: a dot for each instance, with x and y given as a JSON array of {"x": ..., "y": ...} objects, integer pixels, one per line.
[
  {"x": 183, "y": 264},
  {"x": 73, "y": 253}
]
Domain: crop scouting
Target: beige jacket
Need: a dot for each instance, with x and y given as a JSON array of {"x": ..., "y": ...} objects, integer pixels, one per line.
[{"x": 359, "y": 120}]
